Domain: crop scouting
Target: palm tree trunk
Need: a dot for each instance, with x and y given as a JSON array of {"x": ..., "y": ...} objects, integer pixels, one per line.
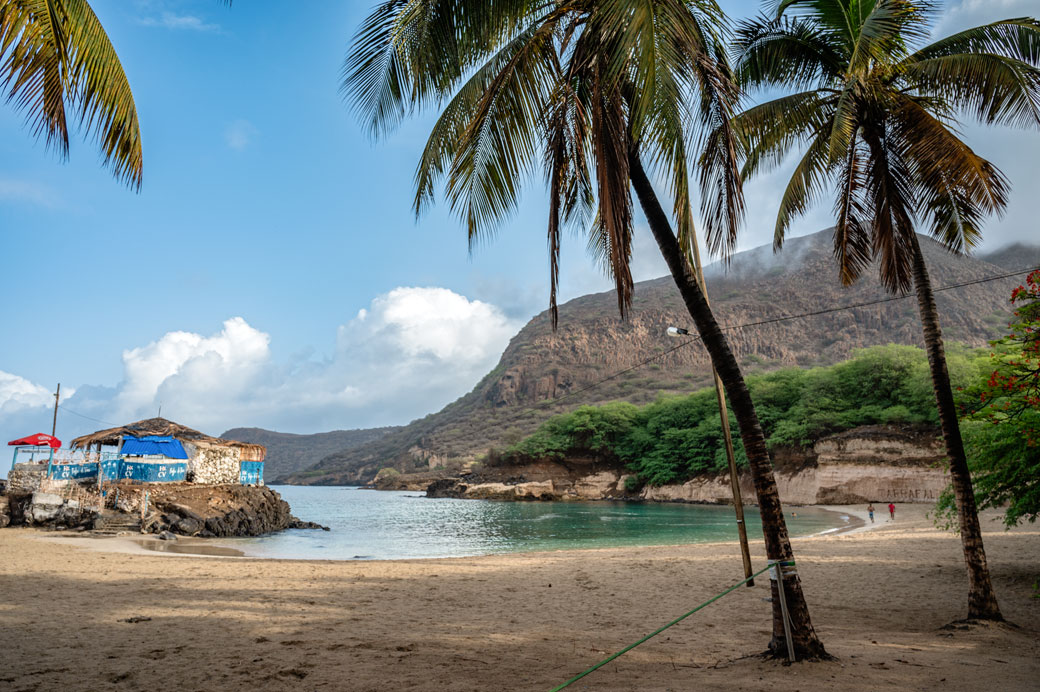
[
  {"x": 774, "y": 528},
  {"x": 982, "y": 601}
]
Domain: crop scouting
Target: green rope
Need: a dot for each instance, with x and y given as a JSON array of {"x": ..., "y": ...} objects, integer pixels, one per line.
[{"x": 676, "y": 621}]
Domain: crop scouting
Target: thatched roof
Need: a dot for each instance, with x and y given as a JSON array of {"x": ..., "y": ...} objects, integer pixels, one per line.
[{"x": 161, "y": 426}]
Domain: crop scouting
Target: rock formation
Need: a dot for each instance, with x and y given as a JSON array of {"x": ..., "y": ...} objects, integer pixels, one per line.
[{"x": 871, "y": 463}]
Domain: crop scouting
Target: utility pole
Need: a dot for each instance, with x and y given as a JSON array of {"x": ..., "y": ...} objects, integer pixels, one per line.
[
  {"x": 720, "y": 394},
  {"x": 54, "y": 423}
]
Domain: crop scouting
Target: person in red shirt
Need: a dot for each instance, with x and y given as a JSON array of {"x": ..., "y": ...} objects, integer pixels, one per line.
[{"x": 891, "y": 512}]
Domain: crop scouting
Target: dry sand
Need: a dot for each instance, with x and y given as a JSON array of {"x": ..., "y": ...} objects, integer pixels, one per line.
[{"x": 880, "y": 600}]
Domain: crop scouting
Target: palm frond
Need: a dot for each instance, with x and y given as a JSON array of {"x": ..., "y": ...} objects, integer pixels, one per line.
[
  {"x": 497, "y": 148},
  {"x": 852, "y": 242},
  {"x": 102, "y": 93},
  {"x": 35, "y": 67},
  {"x": 806, "y": 186},
  {"x": 888, "y": 189},
  {"x": 610, "y": 143},
  {"x": 458, "y": 114},
  {"x": 791, "y": 52},
  {"x": 995, "y": 89},
  {"x": 55, "y": 56},
  {"x": 768, "y": 131},
  {"x": 957, "y": 186}
]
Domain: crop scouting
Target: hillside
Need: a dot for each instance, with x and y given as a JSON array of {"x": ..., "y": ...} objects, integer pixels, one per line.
[
  {"x": 288, "y": 453},
  {"x": 539, "y": 367}
]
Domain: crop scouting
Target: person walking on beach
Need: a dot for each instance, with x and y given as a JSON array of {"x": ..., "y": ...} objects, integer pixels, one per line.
[
  {"x": 870, "y": 511},
  {"x": 891, "y": 512}
]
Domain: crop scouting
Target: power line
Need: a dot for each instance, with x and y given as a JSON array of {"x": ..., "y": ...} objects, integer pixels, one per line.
[
  {"x": 96, "y": 420},
  {"x": 546, "y": 403}
]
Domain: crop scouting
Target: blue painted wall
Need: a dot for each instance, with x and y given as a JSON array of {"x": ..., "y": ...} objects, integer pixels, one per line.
[
  {"x": 117, "y": 469},
  {"x": 251, "y": 472}
]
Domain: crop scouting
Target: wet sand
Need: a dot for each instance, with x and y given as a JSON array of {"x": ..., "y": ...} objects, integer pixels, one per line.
[{"x": 881, "y": 601}]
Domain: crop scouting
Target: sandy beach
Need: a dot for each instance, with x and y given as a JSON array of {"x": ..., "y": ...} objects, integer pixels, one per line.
[{"x": 882, "y": 600}]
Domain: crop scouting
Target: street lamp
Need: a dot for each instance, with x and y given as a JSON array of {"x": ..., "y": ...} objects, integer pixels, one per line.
[{"x": 738, "y": 501}]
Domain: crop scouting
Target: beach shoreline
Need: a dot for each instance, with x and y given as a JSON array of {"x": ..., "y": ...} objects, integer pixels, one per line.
[{"x": 881, "y": 598}]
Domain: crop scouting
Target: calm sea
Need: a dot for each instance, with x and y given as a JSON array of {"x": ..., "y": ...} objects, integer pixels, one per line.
[{"x": 380, "y": 525}]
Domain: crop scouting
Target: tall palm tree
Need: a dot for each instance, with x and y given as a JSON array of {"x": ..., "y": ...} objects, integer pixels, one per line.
[
  {"x": 874, "y": 110},
  {"x": 593, "y": 92}
]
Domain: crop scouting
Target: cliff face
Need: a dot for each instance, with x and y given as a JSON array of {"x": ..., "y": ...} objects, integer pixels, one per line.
[
  {"x": 750, "y": 299},
  {"x": 868, "y": 464}
]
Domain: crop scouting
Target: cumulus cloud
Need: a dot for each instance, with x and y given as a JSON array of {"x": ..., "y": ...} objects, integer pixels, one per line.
[
  {"x": 19, "y": 393},
  {"x": 180, "y": 22},
  {"x": 408, "y": 353},
  {"x": 240, "y": 134}
]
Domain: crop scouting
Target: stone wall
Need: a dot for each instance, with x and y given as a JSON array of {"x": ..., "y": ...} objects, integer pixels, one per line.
[
  {"x": 212, "y": 465},
  {"x": 25, "y": 478}
]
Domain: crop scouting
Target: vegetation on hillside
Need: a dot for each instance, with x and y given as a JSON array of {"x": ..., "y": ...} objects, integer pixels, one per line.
[{"x": 676, "y": 438}]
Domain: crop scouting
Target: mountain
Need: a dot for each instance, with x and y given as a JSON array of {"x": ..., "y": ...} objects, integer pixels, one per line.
[
  {"x": 1013, "y": 256},
  {"x": 596, "y": 357},
  {"x": 288, "y": 453}
]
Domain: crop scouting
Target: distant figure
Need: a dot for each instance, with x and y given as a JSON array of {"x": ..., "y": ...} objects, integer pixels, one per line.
[
  {"x": 891, "y": 512},
  {"x": 870, "y": 511}
]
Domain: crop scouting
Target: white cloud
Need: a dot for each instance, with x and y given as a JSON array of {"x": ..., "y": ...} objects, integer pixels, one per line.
[
  {"x": 965, "y": 14},
  {"x": 19, "y": 393},
  {"x": 240, "y": 134},
  {"x": 180, "y": 22},
  {"x": 187, "y": 363},
  {"x": 408, "y": 353}
]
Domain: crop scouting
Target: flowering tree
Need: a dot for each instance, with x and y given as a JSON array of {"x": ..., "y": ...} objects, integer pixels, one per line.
[{"x": 1004, "y": 440}]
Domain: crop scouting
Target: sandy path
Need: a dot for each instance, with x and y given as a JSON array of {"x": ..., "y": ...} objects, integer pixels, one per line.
[{"x": 879, "y": 600}]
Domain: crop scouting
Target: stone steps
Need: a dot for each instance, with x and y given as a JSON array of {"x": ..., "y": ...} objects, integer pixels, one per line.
[{"x": 111, "y": 523}]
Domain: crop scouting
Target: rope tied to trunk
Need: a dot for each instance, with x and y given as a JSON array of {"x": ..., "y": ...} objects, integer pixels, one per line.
[{"x": 784, "y": 564}]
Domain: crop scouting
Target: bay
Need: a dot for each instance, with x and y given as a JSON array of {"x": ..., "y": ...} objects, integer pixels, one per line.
[{"x": 387, "y": 525}]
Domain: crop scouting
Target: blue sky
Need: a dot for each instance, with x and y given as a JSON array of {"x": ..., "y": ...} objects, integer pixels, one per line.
[{"x": 271, "y": 272}]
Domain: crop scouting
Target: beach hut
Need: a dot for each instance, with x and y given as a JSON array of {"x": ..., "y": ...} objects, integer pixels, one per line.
[{"x": 206, "y": 459}]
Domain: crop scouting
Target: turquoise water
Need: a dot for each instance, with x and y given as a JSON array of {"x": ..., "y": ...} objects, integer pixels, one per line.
[{"x": 380, "y": 525}]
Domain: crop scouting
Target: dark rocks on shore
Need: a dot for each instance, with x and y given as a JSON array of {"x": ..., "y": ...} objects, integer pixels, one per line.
[
  {"x": 240, "y": 511},
  {"x": 206, "y": 511}
]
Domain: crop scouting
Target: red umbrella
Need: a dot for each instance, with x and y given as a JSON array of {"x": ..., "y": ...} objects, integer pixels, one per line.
[{"x": 37, "y": 440}]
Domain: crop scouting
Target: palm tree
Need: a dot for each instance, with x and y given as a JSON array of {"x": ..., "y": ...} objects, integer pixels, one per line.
[
  {"x": 56, "y": 61},
  {"x": 57, "y": 64},
  {"x": 874, "y": 110},
  {"x": 594, "y": 92}
]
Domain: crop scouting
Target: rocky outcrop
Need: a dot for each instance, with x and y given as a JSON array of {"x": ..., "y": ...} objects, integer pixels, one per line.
[
  {"x": 183, "y": 508},
  {"x": 872, "y": 463},
  {"x": 220, "y": 511}
]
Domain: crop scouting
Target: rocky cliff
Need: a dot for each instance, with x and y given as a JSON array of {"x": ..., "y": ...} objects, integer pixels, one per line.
[
  {"x": 867, "y": 464},
  {"x": 542, "y": 373}
]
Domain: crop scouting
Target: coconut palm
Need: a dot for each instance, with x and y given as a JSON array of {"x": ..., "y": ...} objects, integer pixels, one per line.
[
  {"x": 594, "y": 93},
  {"x": 873, "y": 111},
  {"x": 57, "y": 64}
]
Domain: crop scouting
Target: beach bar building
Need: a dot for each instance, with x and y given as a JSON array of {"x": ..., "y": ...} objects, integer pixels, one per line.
[{"x": 158, "y": 450}]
